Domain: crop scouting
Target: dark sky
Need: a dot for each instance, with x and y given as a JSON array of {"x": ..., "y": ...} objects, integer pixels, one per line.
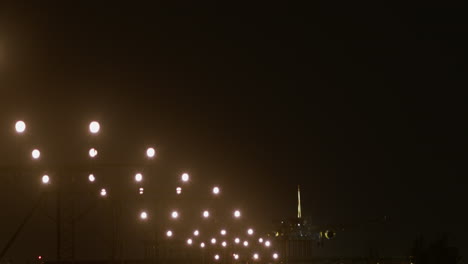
[{"x": 360, "y": 104}]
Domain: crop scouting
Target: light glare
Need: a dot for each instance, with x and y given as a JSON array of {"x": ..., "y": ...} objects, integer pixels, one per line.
[
  {"x": 237, "y": 240},
  {"x": 93, "y": 152},
  {"x": 185, "y": 177},
  {"x": 20, "y": 126},
  {"x": 196, "y": 233},
  {"x": 174, "y": 214},
  {"x": 189, "y": 241},
  {"x": 36, "y": 154},
  {"x": 169, "y": 233},
  {"x": 138, "y": 177},
  {"x": 150, "y": 152},
  {"x": 143, "y": 215},
  {"x": 91, "y": 178},
  {"x": 223, "y": 232},
  {"x": 206, "y": 214},
  {"x": 216, "y": 190},
  {"x": 237, "y": 214},
  {"x": 250, "y": 231},
  {"x": 45, "y": 179},
  {"x": 94, "y": 127},
  {"x": 178, "y": 190},
  {"x": 103, "y": 192}
]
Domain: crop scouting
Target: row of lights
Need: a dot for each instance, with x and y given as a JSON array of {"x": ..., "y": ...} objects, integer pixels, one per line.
[{"x": 175, "y": 214}]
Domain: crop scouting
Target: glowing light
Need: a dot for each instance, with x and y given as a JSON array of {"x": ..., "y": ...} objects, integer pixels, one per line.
[
  {"x": 267, "y": 243},
  {"x": 246, "y": 243},
  {"x": 255, "y": 256},
  {"x": 91, "y": 178},
  {"x": 275, "y": 255},
  {"x": 45, "y": 179},
  {"x": 216, "y": 257},
  {"x": 213, "y": 241},
  {"x": 260, "y": 240},
  {"x": 169, "y": 233},
  {"x": 150, "y": 152},
  {"x": 39, "y": 257},
  {"x": 196, "y": 233},
  {"x": 93, "y": 152},
  {"x": 141, "y": 190},
  {"x": 224, "y": 244},
  {"x": 103, "y": 192},
  {"x": 236, "y": 256},
  {"x": 202, "y": 245},
  {"x": 216, "y": 190},
  {"x": 178, "y": 190},
  {"x": 189, "y": 241},
  {"x": 138, "y": 177},
  {"x": 237, "y": 214},
  {"x": 94, "y": 127},
  {"x": 36, "y": 154},
  {"x": 185, "y": 177},
  {"x": 237, "y": 240},
  {"x": 223, "y": 232},
  {"x": 20, "y": 126},
  {"x": 250, "y": 231},
  {"x": 174, "y": 214},
  {"x": 206, "y": 214},
  {"x": 143, "y": 215}
]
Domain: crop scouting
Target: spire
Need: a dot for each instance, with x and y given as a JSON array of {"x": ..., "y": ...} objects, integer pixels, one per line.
[{"x": 298, "y": 202}]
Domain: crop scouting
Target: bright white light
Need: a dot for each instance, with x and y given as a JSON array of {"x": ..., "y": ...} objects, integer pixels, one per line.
[
  {"x": 143, "y": 215},
  {"x": 103, "y": 192},
  {"x": 202, "y": 245},
  {"x": 255, "y": 256},
  {"x": 206, "y": 214},
  {"x": 260, "y": 240},
  {"x": 267, "y": 243},
  {"x": 141, "y": 190},
  {"x": 237, "y": 214},
  {"x": 237, "y": 240},
  {"x": 224, "y": 244},
  {"x": 223, "y": 232},
  {"x": 174, "y": 214},
  {"x": 196, "y": 233},
  {"x": 250, "y": 231},
  {"x": 150, "y": 152},
  {"x": 275, "y": 255},
  {"x": 246, "y": 243},
  {"x": 35, "y": 154},
  {"x": 91, "y": 178},
  {"x": 185, "y": 177},
  {"x": 138, "y": 177},
  {"x": 45, "y": 179},
  {"x": 93, "y": 152},
  {"x": 20, "y": 126},
  {"x": 216, "y": 190},
  {"x": 213, "y": 241},
  {"x": 189, "y": 241},
  {"x": 169, "y": 233},
  {"x": 94, "y": 127},
  {"x": 216, "y": 256},
  {"x": 178, "y": 190},
  {"x": 236, "y": 256}
]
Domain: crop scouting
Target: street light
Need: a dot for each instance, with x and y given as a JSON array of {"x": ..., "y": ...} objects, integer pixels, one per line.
[
  {"x": 206, "y": 214},
  {"x": 94, "y": 127},
  {"x": 35, "y": 154},
  {"x": 93, "y": 152},
  {"x": 237, "y": 214},
  {"x": 174, "y": 214},
  {"x": 143, "y": 215},
  {"x": 45, "y": 179},
  {"x": 150, "y": 152},
  {"x": 20, "y": 126},
  {"x": 138, "y": 177},
  {"x": 91, "y": 178},
  {"x": 185, "y": 177}
]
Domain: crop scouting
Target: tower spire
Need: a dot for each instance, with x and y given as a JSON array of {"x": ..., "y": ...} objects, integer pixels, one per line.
[{"x": 298, "y": 202}]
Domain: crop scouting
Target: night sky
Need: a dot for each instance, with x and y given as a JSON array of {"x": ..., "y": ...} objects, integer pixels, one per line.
[{"x": 360, "y": 104}]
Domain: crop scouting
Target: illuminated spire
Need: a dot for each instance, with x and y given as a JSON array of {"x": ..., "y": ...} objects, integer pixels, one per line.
[{"x": 298, "y": 202}]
